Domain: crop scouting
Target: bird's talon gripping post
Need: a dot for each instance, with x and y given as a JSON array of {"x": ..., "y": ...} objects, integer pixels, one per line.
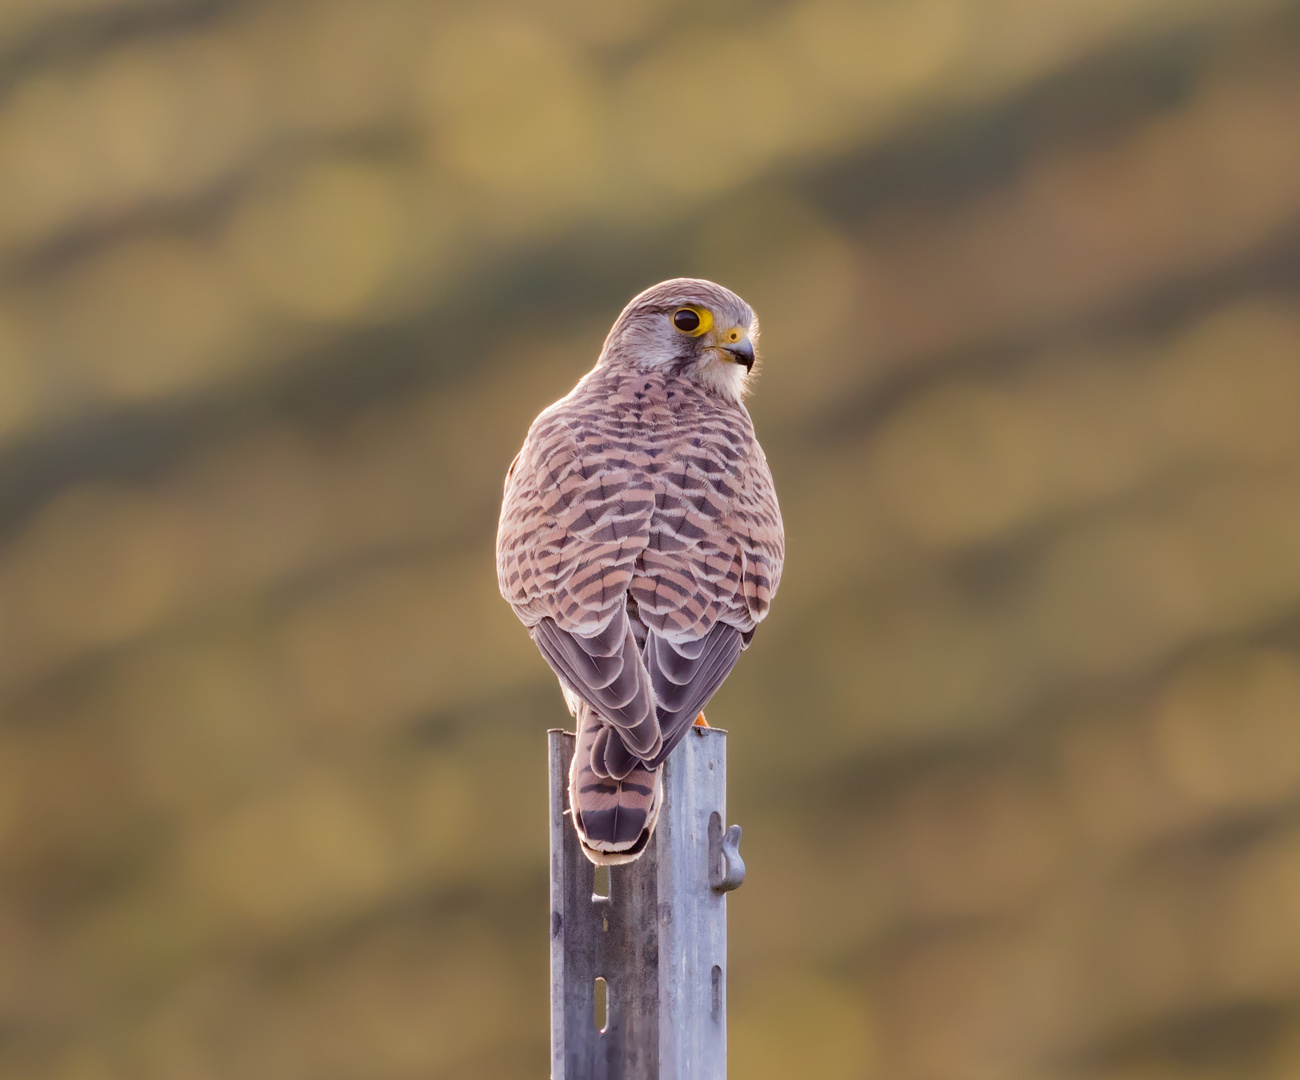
[{"x": 700, "y": 721}]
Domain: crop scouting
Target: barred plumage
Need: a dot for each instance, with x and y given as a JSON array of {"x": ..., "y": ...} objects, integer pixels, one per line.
[{"x": 641, "y": 544}]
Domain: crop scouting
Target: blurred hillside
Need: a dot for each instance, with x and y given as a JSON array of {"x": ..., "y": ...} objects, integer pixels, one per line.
[{"x": 1018, "y": 753}]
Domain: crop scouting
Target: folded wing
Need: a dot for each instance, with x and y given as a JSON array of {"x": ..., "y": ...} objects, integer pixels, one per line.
[
  {"x": 606, "y": 671},
  {"x": 685, "y": 676}
]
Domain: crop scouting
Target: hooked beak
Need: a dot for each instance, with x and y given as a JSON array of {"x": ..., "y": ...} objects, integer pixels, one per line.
[{"x": 741, "y": 352}]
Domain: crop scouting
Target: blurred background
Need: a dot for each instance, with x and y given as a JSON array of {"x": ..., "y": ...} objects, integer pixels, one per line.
[{"x": 282, "y": 284}]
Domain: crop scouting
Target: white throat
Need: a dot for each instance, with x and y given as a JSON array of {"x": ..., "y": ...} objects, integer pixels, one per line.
[{"x": 724, "y": 376}]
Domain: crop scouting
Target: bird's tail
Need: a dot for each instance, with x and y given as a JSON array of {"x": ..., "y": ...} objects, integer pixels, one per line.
[{"x": 614, "y": 815}]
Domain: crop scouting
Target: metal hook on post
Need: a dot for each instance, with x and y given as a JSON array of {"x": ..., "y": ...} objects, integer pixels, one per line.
[{"x": 726, "y": 867}]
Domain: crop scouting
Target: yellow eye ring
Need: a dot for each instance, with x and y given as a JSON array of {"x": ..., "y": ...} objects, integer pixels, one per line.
[{"x": 692, "y": 321}]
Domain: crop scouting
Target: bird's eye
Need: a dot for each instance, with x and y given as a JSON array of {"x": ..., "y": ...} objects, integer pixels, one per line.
[{"x": 692, "y": 320}]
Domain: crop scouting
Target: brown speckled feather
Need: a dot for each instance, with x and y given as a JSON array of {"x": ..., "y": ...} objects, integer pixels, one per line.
[{"x": 644, "y": 484}]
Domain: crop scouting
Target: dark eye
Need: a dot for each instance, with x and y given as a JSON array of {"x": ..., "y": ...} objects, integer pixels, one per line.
[{"x": 686, "y": 320}]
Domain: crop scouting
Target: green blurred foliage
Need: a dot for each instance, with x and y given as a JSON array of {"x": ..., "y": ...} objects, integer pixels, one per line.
[{"x": 1018, "y": 754}]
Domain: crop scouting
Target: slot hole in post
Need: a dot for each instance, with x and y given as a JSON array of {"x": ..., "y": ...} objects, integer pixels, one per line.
[
  {"x": 718, "y": 870},
  {"x": 601, "y": 1010},
  {"x": 600, "y": 884},
  {"x": 717, "y": 993}
]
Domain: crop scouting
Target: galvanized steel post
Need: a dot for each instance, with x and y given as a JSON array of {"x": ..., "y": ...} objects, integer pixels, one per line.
[{"x": 658, "y": 940}]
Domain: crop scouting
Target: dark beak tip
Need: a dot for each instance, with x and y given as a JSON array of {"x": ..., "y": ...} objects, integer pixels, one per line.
[{"x": 743, "y": 354}]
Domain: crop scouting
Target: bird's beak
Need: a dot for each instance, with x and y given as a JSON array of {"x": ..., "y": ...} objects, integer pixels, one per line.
[{"x": 741, "y": 352}]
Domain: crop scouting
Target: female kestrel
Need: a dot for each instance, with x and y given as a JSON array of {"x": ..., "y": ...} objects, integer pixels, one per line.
[{"x": 641, "y": 543}]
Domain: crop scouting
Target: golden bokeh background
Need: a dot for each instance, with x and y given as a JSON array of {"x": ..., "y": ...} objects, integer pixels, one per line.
[{"x": 282, "y": 283}]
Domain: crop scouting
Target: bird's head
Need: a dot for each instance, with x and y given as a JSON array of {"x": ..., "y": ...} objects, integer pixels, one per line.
[{"x": 690, "y": 327}]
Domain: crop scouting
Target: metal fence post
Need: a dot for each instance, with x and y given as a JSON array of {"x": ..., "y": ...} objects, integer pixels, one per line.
[{"x": 659, "y": 940}]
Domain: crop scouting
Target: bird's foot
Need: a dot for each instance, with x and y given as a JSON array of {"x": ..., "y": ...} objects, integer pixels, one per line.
[{"x": 700, "y": 721}]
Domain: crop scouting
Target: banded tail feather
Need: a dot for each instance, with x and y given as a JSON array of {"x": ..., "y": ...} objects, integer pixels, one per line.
[{"x": 614, "y": 815}]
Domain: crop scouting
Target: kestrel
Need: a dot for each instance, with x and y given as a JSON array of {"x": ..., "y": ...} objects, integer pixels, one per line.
[{"x": 641, "y": 544}]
